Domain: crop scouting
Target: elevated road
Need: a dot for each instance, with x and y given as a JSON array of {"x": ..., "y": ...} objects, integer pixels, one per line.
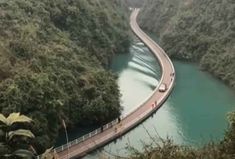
[{"x": 115, "y": 129}]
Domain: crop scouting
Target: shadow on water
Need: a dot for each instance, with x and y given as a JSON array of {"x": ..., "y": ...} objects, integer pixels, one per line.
[
  {"x": 194, "y": 114},
  {"x": 145, "y": 72},
  {"x": 145, "y": 64},
  {"x": 120, "y": 62},
  {"x": 148, "y": 84},
  {"x": 137, "y": 61},
  {"x": 142, "y": 64},
  {"x": 138, "y": 56},
  {"x": 74, "y": 134}
]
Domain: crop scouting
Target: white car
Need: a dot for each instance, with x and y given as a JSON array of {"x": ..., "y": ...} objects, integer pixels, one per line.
[{"x": 162, "y": 88}]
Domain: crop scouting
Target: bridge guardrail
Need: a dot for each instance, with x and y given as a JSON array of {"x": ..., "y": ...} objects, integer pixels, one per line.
[
  {"x": 110, "y": 124},
  {"x": 84, "y": 137}
]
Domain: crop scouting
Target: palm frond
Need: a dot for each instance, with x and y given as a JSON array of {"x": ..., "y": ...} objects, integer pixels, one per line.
[
  {"x": 47, "y": 154},
  {"x": 16, "y": 117},
  {"x": 20, "y": 132},
  {"x": 2, "y": 144},
  {"x": 23, "y": 153},
  {"x": 3, "y": 119}
]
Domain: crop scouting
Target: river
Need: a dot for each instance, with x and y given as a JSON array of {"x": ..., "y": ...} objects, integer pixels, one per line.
[{"x": 194, "y": 114}]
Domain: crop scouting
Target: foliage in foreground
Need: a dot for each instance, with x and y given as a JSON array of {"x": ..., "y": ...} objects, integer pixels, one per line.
[
  {"x": 16, "y": 139},
  {"x": 52, "y": 60},
  {"x": 166, "y": 149},
  {"x": 15, "y": 136}
]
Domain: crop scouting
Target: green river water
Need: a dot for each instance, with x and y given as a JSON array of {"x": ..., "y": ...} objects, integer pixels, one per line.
[{"x": 194, "y": 114}]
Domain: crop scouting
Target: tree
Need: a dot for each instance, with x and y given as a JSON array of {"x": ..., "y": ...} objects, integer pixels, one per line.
[
  {"x": 14, "y": 138},
  {"x": 48, "y": 154}
]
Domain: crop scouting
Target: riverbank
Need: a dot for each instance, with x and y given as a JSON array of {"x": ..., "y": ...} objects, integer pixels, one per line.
[
  {"x": 53, "y": 56},
  {"x": 189, "y": 117},
  {"x": 119, "y": 127},
  {"x": 200, "y": 31}
]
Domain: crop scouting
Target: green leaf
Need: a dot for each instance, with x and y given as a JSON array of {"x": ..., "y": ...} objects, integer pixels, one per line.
[
  {"x": 20, "y": 132},
  {"x": 3, "y": 119},
  {"x": 26, "y": 154},
  {"x": 47, "y": 154},
  {"x": 16, "y": 117},
  {"x": 2, "y": 144}
]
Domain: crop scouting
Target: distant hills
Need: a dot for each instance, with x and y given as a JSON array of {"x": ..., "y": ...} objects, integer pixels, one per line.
[{"x": 201, "y": 31}]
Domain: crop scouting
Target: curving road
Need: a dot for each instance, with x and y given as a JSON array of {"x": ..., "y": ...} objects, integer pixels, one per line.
[{"x": 98, "y": 139}]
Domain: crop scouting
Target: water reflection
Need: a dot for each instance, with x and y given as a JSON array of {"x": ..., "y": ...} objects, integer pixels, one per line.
[
  {"x": 139, "y": 77},
  {"x": 161, "y": 125},
  {"x": 194, "y": 114}
]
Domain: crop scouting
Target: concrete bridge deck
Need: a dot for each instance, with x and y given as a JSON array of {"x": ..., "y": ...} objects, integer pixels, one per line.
[{"x": 113, "y": 130}]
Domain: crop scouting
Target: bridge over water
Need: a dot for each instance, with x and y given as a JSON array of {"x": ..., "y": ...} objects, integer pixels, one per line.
[{"x": 87, "y": 143}]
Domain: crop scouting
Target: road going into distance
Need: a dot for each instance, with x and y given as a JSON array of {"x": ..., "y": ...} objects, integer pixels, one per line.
[{"x": 111, "y": 131}]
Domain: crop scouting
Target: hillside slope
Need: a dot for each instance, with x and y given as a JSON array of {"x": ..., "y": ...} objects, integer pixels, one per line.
[
  {"x": 166, "y": 149},
  {"x": 134, "y": 3},
  {"x": 52, "y": 60},
  {"x": 202, "y": 31}
]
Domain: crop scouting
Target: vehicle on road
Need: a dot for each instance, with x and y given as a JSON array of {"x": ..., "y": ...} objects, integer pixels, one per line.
[{"x": 162, "y": 88}]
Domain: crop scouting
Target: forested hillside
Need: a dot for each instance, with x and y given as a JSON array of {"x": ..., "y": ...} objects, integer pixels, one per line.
[
  {"x": 134, "y": 3},
  {"x": 52, "y": 60},
  {"x": 202, "y": 31}
]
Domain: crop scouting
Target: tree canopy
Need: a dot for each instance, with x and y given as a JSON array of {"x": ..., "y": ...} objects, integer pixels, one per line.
[
  {"x": 53, "y": 55},
  {"x": 202, "y": 31}
]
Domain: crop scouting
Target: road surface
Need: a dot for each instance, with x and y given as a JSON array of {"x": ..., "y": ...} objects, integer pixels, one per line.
[{"x": 97, "y": 139}]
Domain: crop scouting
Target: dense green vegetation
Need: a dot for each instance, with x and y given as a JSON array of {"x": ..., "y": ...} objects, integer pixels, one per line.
[
  {"x": 134, "y": 3},
  {"x": 52, "y": 59},
  {"x": 14, "y": 138},
  {"x": 202, "y": 31},
  {"x": 166, "y": 149}
]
